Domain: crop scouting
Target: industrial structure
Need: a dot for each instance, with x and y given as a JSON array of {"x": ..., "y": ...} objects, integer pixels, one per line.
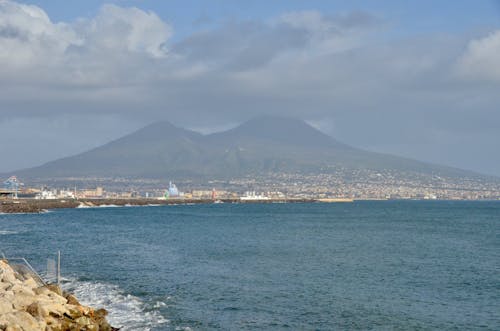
[{"x": 11, "y": 187}]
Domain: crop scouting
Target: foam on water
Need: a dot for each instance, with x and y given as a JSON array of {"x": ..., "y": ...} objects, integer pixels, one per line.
[
  {"x": 126, "y": 311},
  {"x": 6, "y": 232},
  {"x": 82, "y": 205}
]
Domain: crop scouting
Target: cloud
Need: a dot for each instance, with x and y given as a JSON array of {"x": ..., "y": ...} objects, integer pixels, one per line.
[
  {"x": 85, "y": 52},
  {"x": 126, "y": 29},
  {"x": 481, "y": 59},
  {"x": 27, "y": 34},
  {"x": 120, "y": 61},
  {"x": 248, "y": 45},
  {"x": 345, "y": 69}
]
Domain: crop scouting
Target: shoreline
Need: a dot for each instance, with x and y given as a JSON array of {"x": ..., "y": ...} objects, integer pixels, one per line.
[
  {"x": 36, "y": 206},
  {"x": 11, "y": 206},
  {"x": 28, "y": 303}
]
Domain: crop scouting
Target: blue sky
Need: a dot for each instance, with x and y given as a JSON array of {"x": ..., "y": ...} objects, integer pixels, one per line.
[
  {"x": 413, "y": 78},
  {"x": 407, "y": 17}
]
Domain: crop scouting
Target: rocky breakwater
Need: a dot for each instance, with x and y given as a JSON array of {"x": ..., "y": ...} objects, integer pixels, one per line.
[
  {"x": 33, "y": 205},
  {"x": 27, "y": 305}
]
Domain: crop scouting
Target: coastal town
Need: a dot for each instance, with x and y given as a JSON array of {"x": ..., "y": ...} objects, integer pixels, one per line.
[{"x": 343, "y": 185}]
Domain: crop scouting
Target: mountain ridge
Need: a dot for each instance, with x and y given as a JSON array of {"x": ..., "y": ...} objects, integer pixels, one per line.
[{"x": 263, "y": 144}]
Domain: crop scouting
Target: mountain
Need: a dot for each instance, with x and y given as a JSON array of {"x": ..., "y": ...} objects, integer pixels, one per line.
[{"x": 265, "y": 144}]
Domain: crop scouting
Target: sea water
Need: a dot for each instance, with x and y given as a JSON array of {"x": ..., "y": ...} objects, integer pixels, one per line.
[{"x": 386, "y": 265}]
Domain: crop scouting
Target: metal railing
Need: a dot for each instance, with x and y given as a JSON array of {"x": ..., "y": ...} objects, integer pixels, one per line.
[{"x": 31, "y": 270}]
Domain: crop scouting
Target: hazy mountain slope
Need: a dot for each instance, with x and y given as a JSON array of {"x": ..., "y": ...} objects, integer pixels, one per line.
[
  {"x": 266, "y": 144},
  {"x": 149, "y": 152},
  {"x": 294, "y": 145}
]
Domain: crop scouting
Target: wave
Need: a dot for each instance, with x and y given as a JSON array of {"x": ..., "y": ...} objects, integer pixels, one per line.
[
  {"x": 126, "y": 311},
  {"x": 82, "y": 205},
  {"x": 7, "y": 232}
]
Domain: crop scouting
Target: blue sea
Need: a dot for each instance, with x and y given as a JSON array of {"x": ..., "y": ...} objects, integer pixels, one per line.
[{"x": 379, "y": 265}]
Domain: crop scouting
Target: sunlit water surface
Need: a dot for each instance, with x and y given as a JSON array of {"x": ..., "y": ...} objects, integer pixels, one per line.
[{"x": 364, "y": 265}]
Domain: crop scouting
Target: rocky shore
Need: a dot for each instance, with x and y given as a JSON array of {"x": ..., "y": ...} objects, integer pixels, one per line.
[
  {"x": 38, "y": 206},
  {"x": 26, "y": 304}
]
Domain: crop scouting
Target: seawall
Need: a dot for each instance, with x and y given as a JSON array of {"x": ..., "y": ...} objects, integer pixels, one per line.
[{"x": 37, "y": 206}]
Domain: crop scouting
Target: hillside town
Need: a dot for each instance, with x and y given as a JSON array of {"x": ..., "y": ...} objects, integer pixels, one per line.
[{"x": 359, "y": 184}]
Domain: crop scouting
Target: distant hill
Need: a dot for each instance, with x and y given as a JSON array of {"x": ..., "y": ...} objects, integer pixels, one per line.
[{"x": 265, "y": 144}]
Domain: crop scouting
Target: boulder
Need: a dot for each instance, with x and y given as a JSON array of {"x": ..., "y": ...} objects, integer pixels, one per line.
[
  {"x": 42, "y": 290},
  {"x": 20, "y": 288},
  {"x": 8, "y": 276},
  {"x": 26, "y": 306},
  {"x": 49, "y": 293},
  {"x": 22, "y": 319},
  {"x": 22, "y": 300},
  {"x": 72, "y": 300},
  {"x": 87, "y": 323},
  {"x": 54, "y": 288},
  {"x": 37, "y": 310},
  {"x": 5, "y": 306},
  {"x": 30, "y": 283},
  {"x": 56, "y": 309},
  {"x": 4, "y": 286},
  {"x": 14, "y": 327}
]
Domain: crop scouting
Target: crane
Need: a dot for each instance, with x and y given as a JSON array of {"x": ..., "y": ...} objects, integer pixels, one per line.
[{"x": 12, "y": 183}]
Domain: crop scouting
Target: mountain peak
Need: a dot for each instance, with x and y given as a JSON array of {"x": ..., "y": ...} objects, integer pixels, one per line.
[
  {"x": 263, "y": 144},
  {"x": 284, "y": 130},
  {"x": 159, "y": 130}
]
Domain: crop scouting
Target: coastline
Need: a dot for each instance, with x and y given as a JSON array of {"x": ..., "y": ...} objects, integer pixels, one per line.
[
  {"x": 36, "y": 206},
  {"x": 26, "y": 303},
  {"x": 11, "y": 206}
]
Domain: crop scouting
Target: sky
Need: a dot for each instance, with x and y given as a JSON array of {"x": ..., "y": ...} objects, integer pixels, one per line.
[{"x": 419, "y": 79}]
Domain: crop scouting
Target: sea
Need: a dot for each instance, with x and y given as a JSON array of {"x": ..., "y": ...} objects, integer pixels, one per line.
[{"x": 366, "y": 265}]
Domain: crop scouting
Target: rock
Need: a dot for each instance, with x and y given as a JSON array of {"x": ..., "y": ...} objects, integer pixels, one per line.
[
  {"x": 101, "y": 313},
  {"x": 72, "y": 300},
  {"x": 30, "y": 283},
  {"x": 56, "y": 309},
  {"x": 14, "y": 328},
  {"x": 42, "y": 290},
  {"x": 22, "y": 300},
  {"x": 9, "y": 277},
  {"x": 54, "y": 288},
  {"x": 5, "y": 306},
  {"x": 87, "y": 323},
  {"x": 4, "y": 286},
  {"x": 24, "y": 306},
  {"x": 19, "y": 288},
  {"x": 49, "y": 293},
  {"x": 22, "y": 319},
  {"x": 9, "y": 295},
  {"x": 84, "y": 320},
  {"x": 37, "y": 310}
]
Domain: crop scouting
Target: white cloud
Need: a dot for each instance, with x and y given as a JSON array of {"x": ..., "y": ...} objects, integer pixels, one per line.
[
  {"x": 332, "y": 33},
  {"x": 338, "y": 68},
  {"x": 481, "y": 59},
  {"x": 33, "y": 49},
  {"x": 27, "y": 35},
  {"x": 126, "y": 29}
]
